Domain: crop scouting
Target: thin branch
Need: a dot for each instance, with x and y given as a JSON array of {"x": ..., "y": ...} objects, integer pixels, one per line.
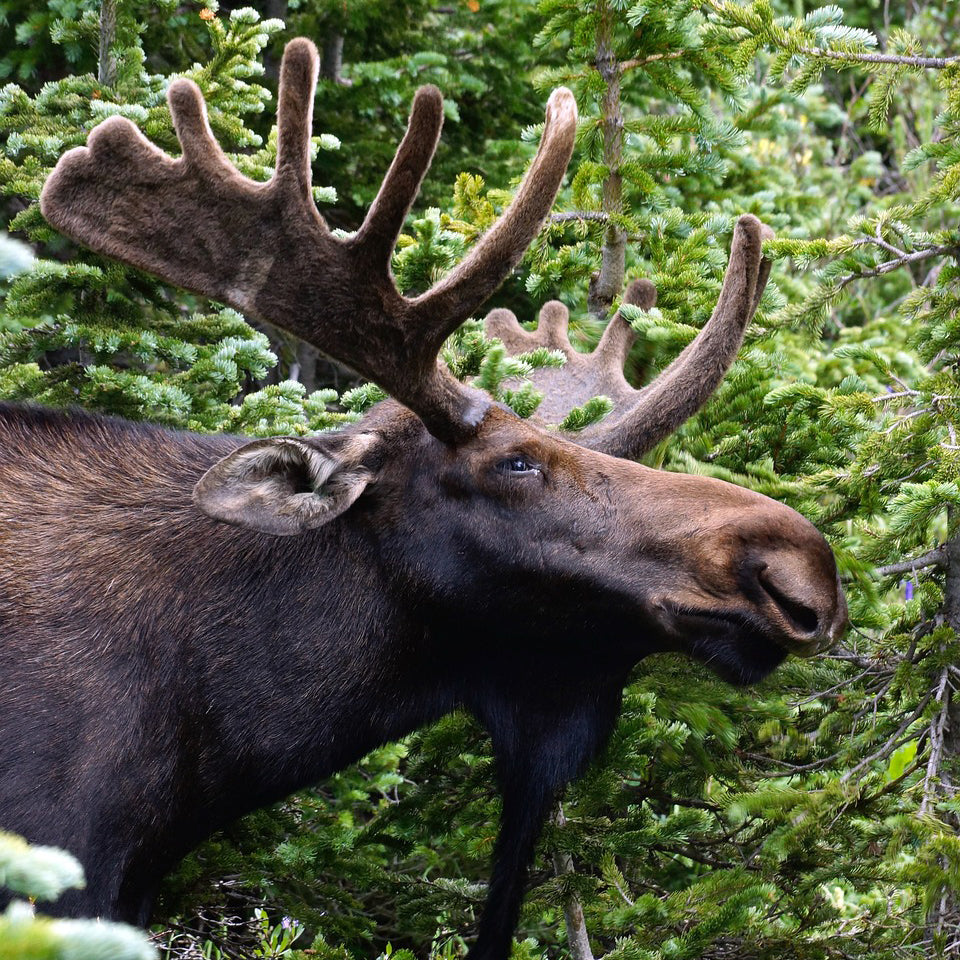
[
  {"x": 935, "y": 63},
  {"x": 579, "y": 215},
  {"x": 937, "y": 732},
  {"x": 932, "y": 558},
  {"x": 578, "y": 941},
  {"x": 843, "y": 684},
  {"x": 888, "y": 265},
  {"x": 626, "y": 65},
  {"x": 898, "y": 395},
  {"x": 892, "y": 742},
  {"x": 878, "y": 241},
  {"x": 789, "y": 769}
]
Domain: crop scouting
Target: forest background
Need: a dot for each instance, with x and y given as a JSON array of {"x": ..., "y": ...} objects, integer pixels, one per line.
[{"x": 814, "y": 815}]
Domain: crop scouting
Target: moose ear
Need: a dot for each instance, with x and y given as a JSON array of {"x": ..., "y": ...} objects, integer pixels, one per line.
[{"x": 285, "y": 486}]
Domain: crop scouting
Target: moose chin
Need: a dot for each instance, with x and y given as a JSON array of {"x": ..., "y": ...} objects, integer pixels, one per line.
[{"x": 192, "y": 627}]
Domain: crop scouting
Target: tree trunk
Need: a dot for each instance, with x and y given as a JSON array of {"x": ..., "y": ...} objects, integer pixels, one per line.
[
  {"x": 943, "y": 917},
  {"x": 275, "y": 10},
  {"x": 606, "y": 285},
  {"x": 106, "y": 62},
  {"x": 331, "y": 62}
]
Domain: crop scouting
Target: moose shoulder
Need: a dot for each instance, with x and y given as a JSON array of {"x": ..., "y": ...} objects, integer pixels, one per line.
[{"x": 202, "y": 624}]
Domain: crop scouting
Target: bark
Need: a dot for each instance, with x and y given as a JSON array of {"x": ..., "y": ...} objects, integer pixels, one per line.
[
  {"x": 305, "y": 365},
  {"x": 106, "y": 62},
  {"x": 275, "y": 10},
  {"x": 331, "y": 59},
  {"x": 578, "y": 942},
  {"x": 606, "y": 285},
  {"x": 943, "y": 917}
]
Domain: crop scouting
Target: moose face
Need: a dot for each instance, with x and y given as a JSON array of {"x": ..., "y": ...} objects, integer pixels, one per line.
[{"x": 526, "y": 526}]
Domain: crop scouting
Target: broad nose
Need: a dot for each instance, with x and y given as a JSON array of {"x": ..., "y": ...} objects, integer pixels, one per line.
[{"x": 799, "y": 592}]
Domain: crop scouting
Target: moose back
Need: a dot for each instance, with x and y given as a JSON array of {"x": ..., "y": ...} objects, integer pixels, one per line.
[{"x": 192, "y": 627}]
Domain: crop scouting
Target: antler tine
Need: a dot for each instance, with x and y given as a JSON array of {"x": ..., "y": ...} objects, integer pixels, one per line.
[
  {"x": 551, "y": 329},
  {"x": 584, "y": 375},
  {"x": 619, "y": 336},
  {"x": 189, "y": 113},
  {"x": 195, "y": 221},
  {"x": 659, "y": 408},
  {"x": 455, "y": 297},
  {"x": 552, "y": 323},
  {"x": 400, "y": 186},
  {"x": 502, "y": 324},
  {"x": 298, "y": 81}
]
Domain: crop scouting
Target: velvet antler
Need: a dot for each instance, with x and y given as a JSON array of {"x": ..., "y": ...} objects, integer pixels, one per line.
[
  {"x": 642, "y": 418},
  {"x": 264, "y": 249}
]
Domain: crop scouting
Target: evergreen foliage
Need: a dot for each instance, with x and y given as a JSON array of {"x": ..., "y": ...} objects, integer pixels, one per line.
[{"x": 43, "y": 873}]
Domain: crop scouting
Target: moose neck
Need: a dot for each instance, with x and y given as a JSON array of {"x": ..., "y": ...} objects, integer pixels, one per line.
[{"x": 307, "y": 658}]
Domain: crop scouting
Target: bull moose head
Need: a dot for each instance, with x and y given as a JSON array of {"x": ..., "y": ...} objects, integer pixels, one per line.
[{"x": 441, "y": 505}]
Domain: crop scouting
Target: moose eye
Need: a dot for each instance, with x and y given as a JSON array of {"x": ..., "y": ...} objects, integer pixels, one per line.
[{"x": 517, "y": 465}]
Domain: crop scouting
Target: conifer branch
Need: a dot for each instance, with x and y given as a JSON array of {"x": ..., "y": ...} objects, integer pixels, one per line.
[
  {"x": 932, "y": 558},
  {"x": 934, "y": 63},
  {"x": 888, "y": 265}
]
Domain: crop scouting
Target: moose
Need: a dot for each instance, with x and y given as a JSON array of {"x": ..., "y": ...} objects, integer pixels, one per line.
[{"x": 192, "y": 627}]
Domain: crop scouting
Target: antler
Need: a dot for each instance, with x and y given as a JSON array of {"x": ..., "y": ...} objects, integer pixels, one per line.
[
  {"x": 264, "y": 248},
  {"x": 642, "y": 418}
]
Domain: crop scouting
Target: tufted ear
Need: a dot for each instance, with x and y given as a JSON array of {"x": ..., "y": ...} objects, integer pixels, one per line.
[{"x": 285, "y": 485}]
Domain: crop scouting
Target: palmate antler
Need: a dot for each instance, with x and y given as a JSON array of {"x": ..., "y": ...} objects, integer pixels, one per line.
[
  {"x": 264, "y": 248},
  {"x": 642, "y": 418}
]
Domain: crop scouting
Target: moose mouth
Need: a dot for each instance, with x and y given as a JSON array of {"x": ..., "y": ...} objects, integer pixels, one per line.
[{"x": 733, "y": 645}]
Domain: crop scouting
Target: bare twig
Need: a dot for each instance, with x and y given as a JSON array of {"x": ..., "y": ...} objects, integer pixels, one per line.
[
  {"x": 892, "y": 742},
  {"x": 934, "y": 63},
  {"x": 937, "y": 730},
  {"x": 577, "y": 939},
  {"x": 889, "y": 265},
  {"x": 932, "y": 558},
  {"x": 878, "y": 241},
  {"x": 842, "y": 685},
  {"x": 884, "y": 397},
  {"x": 579, "y": 215},
  {"x": 627, "y": 65}
]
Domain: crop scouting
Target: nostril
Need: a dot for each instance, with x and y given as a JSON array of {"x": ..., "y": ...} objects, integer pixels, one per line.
[{"x": 801, "y": 617}]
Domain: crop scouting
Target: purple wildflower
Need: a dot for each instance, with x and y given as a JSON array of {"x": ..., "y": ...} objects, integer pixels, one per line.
[{"x": 908, "y": 590}]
